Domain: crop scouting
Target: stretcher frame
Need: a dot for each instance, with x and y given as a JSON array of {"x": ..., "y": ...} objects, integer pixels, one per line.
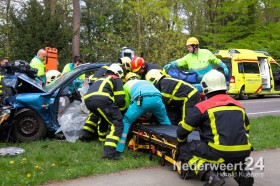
[{"x": 153, "y": 138}]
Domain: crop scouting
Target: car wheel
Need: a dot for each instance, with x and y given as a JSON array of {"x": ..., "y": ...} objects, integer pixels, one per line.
[
  {"x": 28, "y": 126},
  {"x": 242, "y": 94}
]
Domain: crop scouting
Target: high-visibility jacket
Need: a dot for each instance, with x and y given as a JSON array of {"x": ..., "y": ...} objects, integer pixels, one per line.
[
  {"x": 107, "y": 87},
  {"x": 1, "y": 77},
  {"x": 223, "y": 123},
  {"x": 201, "y": 63},
  {"x": 37, "y": 63},
  {"x": 69, "y": 67}
]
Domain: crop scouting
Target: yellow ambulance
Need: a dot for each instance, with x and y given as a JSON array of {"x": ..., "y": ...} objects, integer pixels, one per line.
[{"x": 250, "y": 72}]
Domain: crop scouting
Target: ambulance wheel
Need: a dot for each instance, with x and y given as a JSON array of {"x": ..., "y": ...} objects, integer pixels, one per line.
[
  {"x": 242, "y": 94},
  {"x": 28, "y": 126}
]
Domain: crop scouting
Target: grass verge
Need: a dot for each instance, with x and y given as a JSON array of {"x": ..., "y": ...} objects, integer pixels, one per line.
[{"x": 51, "y": 160}]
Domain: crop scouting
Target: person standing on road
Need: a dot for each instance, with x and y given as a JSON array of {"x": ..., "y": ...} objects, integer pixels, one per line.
[
  {"x": 197, "y": 60},
  {"x": 224, "y": 127}
]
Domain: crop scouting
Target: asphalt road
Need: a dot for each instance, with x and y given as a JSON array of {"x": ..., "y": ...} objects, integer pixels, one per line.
[{"x": 256, "y": 107}]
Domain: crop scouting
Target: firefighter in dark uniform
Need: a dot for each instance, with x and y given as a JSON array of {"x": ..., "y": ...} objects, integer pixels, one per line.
[
  {"x": 88, "y": 134},
  {"x": 177, "y": 95},
  {"x": 224, "y": 133},
  {"x": 141, "y": 67},
  {"x": 104, "y": 100}
]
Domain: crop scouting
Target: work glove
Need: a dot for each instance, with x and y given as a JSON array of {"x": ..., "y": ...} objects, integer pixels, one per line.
[
  {"x": 224, "y": 67},
  {"x": 171, "y": 64},
  {"x": 226, "y": 71}
]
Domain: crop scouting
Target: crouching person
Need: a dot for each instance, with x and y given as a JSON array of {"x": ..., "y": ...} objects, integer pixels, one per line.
[
  {"x": 104, "y": 99},
  {"x": 224, "y": 129},
  {"x": 141, "y": 97}
]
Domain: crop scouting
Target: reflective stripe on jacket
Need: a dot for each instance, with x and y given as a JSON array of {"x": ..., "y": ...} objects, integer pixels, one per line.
[
  {"x": 109, "y": 86},
  {"x": 223, "y": 124}
]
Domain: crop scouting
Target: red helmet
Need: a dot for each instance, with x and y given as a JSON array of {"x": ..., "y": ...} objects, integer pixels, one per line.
[{"x": 137, "y": 63}]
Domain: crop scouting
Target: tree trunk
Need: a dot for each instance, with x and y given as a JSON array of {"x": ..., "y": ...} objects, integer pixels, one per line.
[{"x": 76, "y": 28}]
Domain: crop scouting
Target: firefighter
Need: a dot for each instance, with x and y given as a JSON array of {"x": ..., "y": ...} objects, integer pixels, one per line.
[
  {"x": 197, "y": 60},
  {"x": 224, "y": 127},
  {"x": 104, "y": 99},
  {"x": 139, "y": 66},
  {"x": 178, "y": 95},
  {"x": 141, "y": 97},
  {"x": 88, "y": 134},
  {"x": 39, "y": 62}
]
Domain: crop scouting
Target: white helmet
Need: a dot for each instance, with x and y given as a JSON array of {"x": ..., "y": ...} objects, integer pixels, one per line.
[
  {"x": 52, "y": 75},
  {"x": 116, "y": 69},
  {"x": 153, "y": 76},
  {"x": 126, "y": 63},
  {"x": 213, "y": 81}
]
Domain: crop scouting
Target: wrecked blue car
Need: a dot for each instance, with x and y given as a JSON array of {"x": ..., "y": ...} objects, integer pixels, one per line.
[{"x": 30, "y": 111}]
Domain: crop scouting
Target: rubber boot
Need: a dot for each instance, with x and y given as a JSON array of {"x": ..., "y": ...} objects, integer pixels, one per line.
[
  {"x": 244, "y": 178},
  {"x": 214, "y": 180}
]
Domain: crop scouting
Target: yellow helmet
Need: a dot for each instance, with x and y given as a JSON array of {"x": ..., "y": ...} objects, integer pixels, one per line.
[
  {"x": 153, "y": 76},
  {"x": 192, "y": 41},
  {"x": 126, "y": 63},
  {"x": 131, "y": 75},
  {"x": 213, "y": 81}
]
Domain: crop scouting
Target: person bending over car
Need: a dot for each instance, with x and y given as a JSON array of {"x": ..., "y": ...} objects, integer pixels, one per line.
[
  {"x": 224, "y": 127},
  {"x": 104, "y": 99}
]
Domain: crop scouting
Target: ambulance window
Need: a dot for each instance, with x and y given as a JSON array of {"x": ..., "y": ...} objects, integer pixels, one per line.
[
  {"x": 240, "y": 67},
  {"x": 275, "y": 68},
  {"x": 251, "y": 68}
]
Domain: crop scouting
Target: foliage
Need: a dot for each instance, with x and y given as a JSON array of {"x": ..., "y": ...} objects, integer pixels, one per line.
[
  {"x": 157, "y": 30},
  {"x": 34, "y": 28}
]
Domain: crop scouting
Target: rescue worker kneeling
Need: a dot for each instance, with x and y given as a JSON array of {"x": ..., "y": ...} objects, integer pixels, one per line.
[
  {"x": 104, "y": 99},
  {"x": 140, "y": 97},
  {"x": 177, "y": 95},
  {"x": 224, "y": 129}
]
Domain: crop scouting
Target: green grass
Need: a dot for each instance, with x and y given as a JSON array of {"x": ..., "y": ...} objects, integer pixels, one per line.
[
  {"x": 265, "y": 132},
  {"x": 52, "y": 160}
]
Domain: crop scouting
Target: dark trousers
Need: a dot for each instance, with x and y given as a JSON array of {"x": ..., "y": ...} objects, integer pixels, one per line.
[
  {"x": 108, "y": 111},
  {"x": 198, "y": 153}
]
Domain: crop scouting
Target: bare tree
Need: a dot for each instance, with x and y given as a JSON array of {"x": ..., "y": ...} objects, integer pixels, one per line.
[{"x": 76, "y": 27}]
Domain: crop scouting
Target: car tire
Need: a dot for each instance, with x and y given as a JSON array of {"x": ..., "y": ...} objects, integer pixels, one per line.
[
  {"x": 242, "y": 94},
  {"x": 28, "y": 126}
]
